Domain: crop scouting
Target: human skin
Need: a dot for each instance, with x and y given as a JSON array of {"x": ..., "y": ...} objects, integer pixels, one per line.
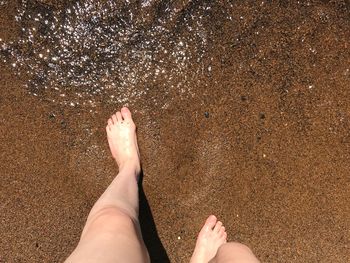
[{"x": 112, "y": 231}]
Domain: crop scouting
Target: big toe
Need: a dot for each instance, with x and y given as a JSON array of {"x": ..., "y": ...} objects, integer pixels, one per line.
[
  {"x": 210, "y": 223},
  {"x": 126, "y": 113}
]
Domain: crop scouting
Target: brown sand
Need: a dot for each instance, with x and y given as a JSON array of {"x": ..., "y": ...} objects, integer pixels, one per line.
[{"x": 270, "y": 158}]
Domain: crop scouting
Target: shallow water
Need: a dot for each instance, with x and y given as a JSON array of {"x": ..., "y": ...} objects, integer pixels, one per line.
[
  {"x": 242, "y": 111},
  {"x": 82, "y": 52}
]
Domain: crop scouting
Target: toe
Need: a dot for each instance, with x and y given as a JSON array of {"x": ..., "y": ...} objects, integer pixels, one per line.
[
  {"x": 210, "y": 222},
  {"x": 114, "y": 119},
  {"x": 218, "y": 227},
  {"x": 119, "y": 116},
  {"x": 126, "y": 113},
  {"x": 222, "y": 231},
  {"x": 109, "y": 125},
  {"x": 225, "y": 237}
]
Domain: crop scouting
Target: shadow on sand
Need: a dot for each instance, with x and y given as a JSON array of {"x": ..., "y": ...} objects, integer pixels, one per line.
[{"x": 155, "y": 247}]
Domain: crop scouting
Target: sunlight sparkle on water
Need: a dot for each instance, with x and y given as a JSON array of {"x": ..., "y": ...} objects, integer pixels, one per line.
[{"x": 106, "y": 49}]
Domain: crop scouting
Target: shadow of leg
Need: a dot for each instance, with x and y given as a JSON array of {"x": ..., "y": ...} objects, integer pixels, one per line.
[{"x": 155, "y": 247}]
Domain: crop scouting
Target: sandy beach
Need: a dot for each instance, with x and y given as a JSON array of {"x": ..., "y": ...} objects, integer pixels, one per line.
[{"x": 259, "y": 136}]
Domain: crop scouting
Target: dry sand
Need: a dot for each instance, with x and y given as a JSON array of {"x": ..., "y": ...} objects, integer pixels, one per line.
[{"x": 264, "y": 145}]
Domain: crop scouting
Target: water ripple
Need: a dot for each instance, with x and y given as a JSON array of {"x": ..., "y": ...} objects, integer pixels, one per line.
[{"x": 83, "y": 52}]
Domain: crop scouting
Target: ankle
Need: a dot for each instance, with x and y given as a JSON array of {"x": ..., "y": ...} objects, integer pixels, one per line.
[{"x": 131, "y": 165}]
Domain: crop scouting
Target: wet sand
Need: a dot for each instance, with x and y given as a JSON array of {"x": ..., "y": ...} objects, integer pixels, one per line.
[{"x": 263, "y": 143}]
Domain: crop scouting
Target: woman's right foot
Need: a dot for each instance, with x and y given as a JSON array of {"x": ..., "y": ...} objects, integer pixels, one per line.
[
  {"x": 121, "y": 135},
  {"x": 210, "y": 238}
]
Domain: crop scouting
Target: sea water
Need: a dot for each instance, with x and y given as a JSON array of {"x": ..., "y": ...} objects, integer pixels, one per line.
[{"x": 84, "y": 52}]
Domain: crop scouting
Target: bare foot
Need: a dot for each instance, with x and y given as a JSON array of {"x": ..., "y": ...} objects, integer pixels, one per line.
[
  {"x": 210, "y": 238},
  {"x": 121, "y": 135}
]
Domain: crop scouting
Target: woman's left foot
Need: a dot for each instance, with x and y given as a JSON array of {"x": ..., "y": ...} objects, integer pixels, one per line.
[{"x": 121, "y": 135}]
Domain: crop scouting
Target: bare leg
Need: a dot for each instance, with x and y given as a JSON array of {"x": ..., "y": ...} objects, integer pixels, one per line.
[
  {"x": 112, "y": 231},
  {"x": 212, "y": 246},
  {"x": 233, "y": 252}
]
